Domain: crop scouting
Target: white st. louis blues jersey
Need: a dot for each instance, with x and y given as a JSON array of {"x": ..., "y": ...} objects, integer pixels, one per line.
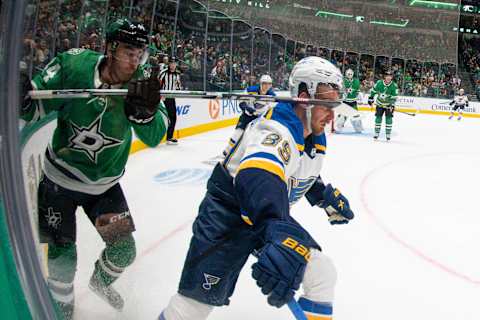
[
  {"x": 460, "y": 100},
  {"x": 274, "y": 142}
]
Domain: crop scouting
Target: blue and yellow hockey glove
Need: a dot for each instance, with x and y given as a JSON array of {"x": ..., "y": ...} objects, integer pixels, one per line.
[
  {"x": 336, "y": 205},
  {"x": 281, "y": 262}
]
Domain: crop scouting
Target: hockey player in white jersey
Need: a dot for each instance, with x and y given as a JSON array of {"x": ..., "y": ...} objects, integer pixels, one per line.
[
  {"x": 246, "y": 209},
  {"x": 352, "y": 89},
  {"x": 460, "y": 101}
]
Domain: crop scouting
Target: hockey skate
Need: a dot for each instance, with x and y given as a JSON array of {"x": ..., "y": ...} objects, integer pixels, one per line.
[
  {"x": 375, "y": 137},
  {"x": 388, "y": 138},
  {"x": 66, "y": 309},
  {"x": 107, "y": 293}
]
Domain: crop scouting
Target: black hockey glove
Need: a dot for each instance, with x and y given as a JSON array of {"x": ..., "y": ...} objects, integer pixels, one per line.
[
  {"x": 142, "y": 99},
  {"x": 370, "y": 101},
  {"x": 391, "y": 108}
]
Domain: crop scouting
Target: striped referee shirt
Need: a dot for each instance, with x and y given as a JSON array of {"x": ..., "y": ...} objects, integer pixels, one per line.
[{"x": 169, "y": 80}]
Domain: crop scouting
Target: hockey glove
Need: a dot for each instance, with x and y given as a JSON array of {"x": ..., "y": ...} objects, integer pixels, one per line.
[
  {"x": 371, "y": 101},
  {"x": 336, "y": 205},
  {"x": 391, "y": 108},
  {"x": 253, "y": 109},
  {"x": 142, "y": 99},
  {"x": 281, "y": 262}
]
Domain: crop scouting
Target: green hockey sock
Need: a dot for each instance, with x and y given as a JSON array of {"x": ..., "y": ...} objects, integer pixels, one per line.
[
  {"x": 378, "y": 125},
  {"x": 114, "y": 259},
  {"x": 388, "y": 125}
]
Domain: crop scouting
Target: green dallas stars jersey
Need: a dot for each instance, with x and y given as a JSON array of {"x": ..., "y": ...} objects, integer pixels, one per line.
[
  {"x": 91, "y": 143},
  {"x": 387, "y": 94},
  {"x": 351, "y": 89}
]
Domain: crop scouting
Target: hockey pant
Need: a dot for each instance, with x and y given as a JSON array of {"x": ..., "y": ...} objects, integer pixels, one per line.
[
  {"x": 57, "y": 228},
  {"x": 379, "y": 111},
  {"x": 219, "y": 248}
]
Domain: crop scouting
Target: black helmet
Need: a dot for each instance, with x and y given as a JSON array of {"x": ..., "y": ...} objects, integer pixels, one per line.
[{"x": 124, "y": 30}]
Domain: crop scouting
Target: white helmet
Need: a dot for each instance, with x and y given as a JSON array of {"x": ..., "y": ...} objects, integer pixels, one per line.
[
  {"x": 349, "y": 73},
  {"x": 313, "y": 71},
  {"x": 266, "y": 79}
]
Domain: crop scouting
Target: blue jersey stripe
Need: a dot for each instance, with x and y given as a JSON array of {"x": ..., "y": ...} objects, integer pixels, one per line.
[{"x": 264, "y": 155}]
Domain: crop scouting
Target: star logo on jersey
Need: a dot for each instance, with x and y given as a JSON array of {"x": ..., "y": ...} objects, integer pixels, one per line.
[
  {"x": 54, "y": 219},
  {"x": 210, "y": 281},
  {"x": 91, "y": 140}
]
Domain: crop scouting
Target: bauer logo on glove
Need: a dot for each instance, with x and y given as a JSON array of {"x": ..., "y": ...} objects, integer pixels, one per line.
[{"x": 336, "y": 205}]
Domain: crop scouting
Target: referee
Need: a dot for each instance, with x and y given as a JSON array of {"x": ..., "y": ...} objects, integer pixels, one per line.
[{"x": 170, "y": 80}]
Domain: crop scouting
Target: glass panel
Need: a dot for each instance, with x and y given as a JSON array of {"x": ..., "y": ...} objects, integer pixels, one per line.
[
  {"x": 278, "y": 67},
  {"x": 242, "y": 54},
  {"x": 398, "y": 69},
  {"x": 448, "y": 80},
  {"x": 366, "y": 72},
  {"x": 68, "y": 24},
  {"x": 337, "y": 58},
  {"x": 162, "y": 45},
  {"x": 29, "y": 26},
  {"x": 290, "y": 56},
  {"x": 44, "y": 35},
  {"x": 118, "y": 9},
  {"x": 413, "y": 78},
  {"x": 300, "y": 51},
  {"x": 430, "y": 76},
  {"x": 352, "y": 61},
  {"x": 311, "y": 50},
  {"x": 219, "y": 51},
  {"x": 191, "y": 24},
  {"x": 382, "y": 64},
  {"x": 261, "y": 52},
  {"x": 91, "y": 31},
  {"x": 324, "y": 53}
]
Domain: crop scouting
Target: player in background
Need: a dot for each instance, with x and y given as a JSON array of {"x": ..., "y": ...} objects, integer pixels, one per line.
[
  {"x": 460, "y": 101},
  {"x": 246, "y": 209},
  {"x": 87, "y": 155},
  {"x": 250, "y": 111},
  {"x": 386, "y": 91},
  {"x": 352, "y": 88}
]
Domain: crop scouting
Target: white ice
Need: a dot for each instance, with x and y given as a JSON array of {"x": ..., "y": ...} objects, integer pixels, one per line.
[{"x": 412, "y": 251}]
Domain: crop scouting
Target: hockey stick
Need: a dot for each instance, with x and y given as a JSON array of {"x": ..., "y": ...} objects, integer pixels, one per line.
[
  {"x": 89, "y": 93},
  {"x": 407, "y": 113},
  {"x": 404, "y": 112},
  {"x": 296, "y": 310}
]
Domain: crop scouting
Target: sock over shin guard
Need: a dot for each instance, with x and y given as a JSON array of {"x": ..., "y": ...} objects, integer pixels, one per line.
[{"x": 114, "y": 259}]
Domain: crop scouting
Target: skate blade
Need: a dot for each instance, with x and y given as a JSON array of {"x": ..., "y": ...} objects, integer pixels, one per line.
[{"x": 104, "y": 298}]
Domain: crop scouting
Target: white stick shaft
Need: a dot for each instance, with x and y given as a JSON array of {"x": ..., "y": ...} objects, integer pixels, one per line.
[{"x": 88, "y": 93}]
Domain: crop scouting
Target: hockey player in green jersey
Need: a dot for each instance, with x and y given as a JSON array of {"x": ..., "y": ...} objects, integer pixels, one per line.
[
  {"x": 87, "y": 156},
  {"x": 386, "y": 91},
  {"x": 352, "y": 87}
]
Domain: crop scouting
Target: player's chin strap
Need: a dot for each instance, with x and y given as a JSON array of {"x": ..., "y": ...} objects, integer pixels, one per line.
[{"x": 89, "y": 93}]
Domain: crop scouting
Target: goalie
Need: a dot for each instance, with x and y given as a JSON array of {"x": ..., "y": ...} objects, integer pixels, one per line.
[{"x": 352, "y": 88}]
